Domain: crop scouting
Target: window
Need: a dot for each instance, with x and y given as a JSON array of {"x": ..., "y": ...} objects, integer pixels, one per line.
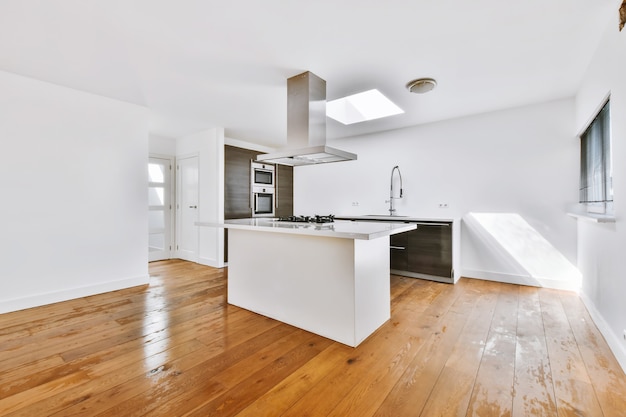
[{"x": 596, "y": 175}]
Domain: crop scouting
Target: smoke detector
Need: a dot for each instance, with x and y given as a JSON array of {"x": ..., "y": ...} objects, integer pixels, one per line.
[{"x": 421, "y": 85}]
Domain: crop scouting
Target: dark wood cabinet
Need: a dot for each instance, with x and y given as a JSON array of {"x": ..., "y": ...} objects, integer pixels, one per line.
[
  {"x": 398, "y": 253},
  {"x": 429, "y": 250},
  {"x": 423, "y": 253},
  {"x": 237, "y": 185},
  {"x": 284, "y": 191},
  {"x": 237, "y": 182},
  {"x": 237, "y": 193}
]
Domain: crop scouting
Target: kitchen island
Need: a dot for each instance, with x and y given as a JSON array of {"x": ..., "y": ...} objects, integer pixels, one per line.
[{"x": 331, "y": 279}]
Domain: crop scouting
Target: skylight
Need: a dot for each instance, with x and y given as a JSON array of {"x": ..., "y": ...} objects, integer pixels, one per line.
[{"x": 361, "y": 107}]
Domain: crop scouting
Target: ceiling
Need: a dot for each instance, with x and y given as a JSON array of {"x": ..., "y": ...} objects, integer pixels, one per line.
[{"x": 198, "y": 64}]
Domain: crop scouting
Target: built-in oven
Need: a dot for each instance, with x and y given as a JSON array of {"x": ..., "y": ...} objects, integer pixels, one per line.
[
  {"x": 263, "y": 201},
  {"x": 262, "y": 175}
]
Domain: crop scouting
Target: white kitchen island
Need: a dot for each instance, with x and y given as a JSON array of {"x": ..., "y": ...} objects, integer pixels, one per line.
[{"x": 330, "y": 279}]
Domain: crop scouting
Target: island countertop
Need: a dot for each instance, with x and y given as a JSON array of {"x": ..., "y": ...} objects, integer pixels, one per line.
[{"x": 361, "y": 230}]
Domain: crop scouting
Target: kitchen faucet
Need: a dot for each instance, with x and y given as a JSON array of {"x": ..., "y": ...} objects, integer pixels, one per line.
[{"x": 392, "y": 210}]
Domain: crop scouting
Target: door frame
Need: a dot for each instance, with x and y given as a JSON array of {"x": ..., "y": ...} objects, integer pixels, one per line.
[{"x": 172, "y": 201}]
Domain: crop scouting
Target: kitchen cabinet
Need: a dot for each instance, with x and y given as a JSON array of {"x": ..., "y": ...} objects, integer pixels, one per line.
[
  {"x": 237, "y": 182},
  {"x": 426, "y": 252},
  {"x": 398, "y": 254},
  {"x": 284, "y": 191},
  {"x": 237, "y": 187}
]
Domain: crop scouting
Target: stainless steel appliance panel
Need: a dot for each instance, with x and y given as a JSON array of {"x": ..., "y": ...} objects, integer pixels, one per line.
[
  {"x": 263, "y": 175},
  {"x": 263, "y": 200}
]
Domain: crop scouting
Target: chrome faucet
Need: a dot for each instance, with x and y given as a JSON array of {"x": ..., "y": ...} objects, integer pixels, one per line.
[{"x": 392, "y": 209}]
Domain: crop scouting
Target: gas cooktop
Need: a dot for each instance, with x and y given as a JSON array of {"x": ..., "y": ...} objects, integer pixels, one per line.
[{"x": 308, "y": 219}]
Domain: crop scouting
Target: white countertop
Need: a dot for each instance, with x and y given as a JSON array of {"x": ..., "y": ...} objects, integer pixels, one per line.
[
  {"x": 345, "y": 229},
  {"x": 387, "y": 218}
]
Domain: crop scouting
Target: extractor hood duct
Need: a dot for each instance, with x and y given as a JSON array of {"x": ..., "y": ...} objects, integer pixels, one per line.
[{"x": 306, "y": 125}]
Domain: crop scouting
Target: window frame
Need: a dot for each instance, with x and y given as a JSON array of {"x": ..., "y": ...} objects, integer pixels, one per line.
[{"x": 596, "y": 164}]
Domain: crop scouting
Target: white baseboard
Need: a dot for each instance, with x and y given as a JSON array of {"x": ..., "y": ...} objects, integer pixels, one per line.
[
  {"x": 614, "y": 341},
  {"x": 7, "y": 306},
  {"x": 498, "y": 276},
  {"x": 522, "y": 280},
  {"x": 210, "y": 262}
]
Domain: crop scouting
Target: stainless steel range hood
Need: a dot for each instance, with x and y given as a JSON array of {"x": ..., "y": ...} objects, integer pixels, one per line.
[{"x": 306, "y": 126}]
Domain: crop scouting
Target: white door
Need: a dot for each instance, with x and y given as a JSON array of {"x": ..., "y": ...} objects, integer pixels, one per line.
[
  {"x": 187, "y": 208},
  {"x": 159, "y": 208}
]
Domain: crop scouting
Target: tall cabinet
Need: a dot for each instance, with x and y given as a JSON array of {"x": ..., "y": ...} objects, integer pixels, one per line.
[
  {"x": 237, "y": 182},
  {"x": 284, "y": 191},
  {"x": 237, "y": 198}
]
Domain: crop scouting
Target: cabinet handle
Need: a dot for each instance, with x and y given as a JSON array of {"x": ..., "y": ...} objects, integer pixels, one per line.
[
  {"x": 397, "y": 247},
  {"x": 276, "y": 186},
  {"x": 250, "y": 183},
  {"x": 430, "y": 224},
  {"x": 193, "y": 206}
]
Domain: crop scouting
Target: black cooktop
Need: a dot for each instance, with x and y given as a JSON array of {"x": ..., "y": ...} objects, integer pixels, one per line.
[{"x": 308, "y": 219}]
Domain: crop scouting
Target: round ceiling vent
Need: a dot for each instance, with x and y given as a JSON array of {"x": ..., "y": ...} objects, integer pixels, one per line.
[{"x": 421, "y": 85}]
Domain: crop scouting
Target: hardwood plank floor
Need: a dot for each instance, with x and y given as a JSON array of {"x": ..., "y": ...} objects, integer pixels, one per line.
[{"x": 175, "y": 348}]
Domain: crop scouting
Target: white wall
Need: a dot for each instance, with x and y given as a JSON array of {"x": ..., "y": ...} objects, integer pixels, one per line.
[
  {"x": 601, "y": 246},
  {"x": 161, "y": 145},
  {"x": 209, "y": 146},
  {"x": 73, "y": 180},
  {"x": 522, "y": 160}
]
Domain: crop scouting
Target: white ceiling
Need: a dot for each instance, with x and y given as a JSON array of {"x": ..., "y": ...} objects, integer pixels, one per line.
[{"x": 198, "y": 64}]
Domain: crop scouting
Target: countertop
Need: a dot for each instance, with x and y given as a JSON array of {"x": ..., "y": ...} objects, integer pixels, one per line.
[
  {"x": 387, "y": 218},
  {"x": 346, "y": 229}
]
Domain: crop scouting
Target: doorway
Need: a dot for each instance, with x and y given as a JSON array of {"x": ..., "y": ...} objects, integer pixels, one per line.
[{"x": 160, "y": 214}]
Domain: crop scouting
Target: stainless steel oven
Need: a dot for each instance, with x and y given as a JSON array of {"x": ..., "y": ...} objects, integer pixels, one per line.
[
  {"x": 263, "y": 201},
  {"x": 263, "y": 175}
]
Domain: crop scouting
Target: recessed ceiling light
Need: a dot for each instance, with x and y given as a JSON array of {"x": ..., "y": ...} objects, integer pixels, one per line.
[
  {"x": 421, "y": 85},
  {"x": 361, "y": 107}
]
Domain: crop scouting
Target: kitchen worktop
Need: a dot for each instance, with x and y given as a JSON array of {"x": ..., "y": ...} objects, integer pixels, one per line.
[
  {"x": 387, "y": 218},
  {"x": 360, "y": 230}
]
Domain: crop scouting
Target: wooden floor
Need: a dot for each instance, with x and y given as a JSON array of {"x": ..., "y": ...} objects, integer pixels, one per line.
[{"x": 176, "y": 348}]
